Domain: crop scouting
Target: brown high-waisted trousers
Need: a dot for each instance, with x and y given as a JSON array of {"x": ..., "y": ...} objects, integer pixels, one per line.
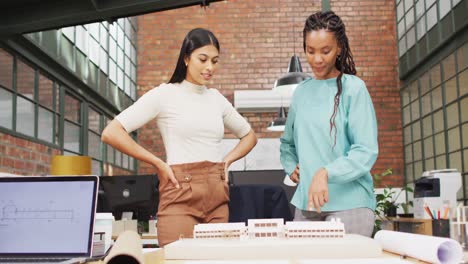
[{"x": 203, "y": 197}]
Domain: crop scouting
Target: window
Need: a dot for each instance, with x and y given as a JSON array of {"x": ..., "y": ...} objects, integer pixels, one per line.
[
  {"x": 72, "y": 125},
  {"x": 37, "y": 106},
  {"x": 435, "y": 119}
]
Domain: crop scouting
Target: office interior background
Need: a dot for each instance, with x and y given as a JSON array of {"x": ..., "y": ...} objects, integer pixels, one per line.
[{"x": 60, "y": 87}]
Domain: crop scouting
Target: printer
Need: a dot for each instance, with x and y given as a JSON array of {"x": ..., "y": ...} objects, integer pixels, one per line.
[{"x": 435, "y": 189}]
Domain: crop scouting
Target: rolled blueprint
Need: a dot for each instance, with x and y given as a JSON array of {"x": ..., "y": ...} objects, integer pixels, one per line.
[
  {"x": 126, "y": 250},
  {"x": 422, "y": 247}
]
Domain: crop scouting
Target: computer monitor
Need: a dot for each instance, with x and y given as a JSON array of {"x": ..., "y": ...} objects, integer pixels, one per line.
[{"x": 129, "y": 193}]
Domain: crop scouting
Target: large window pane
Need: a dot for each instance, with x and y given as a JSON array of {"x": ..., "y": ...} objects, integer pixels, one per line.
[
  {"x": 426, "y": 104},
  {"x": 449, "y": 67},
  {"x": 455, "y": 161},
  {"x": 431, "y": 17},
  {"x": 24, "y": 116},
  {"x": 429, "y": 3},
  {"x": 454, "y": 139},
  {"x": 409, "y": 171},
  {"x": 440, "y": 144},
  {"x": 418, "y": 169},
  {"x": 72, "y": 109},
  {"x": 407, "y": 134},
  {"x": 25, "y": 79},
  {"x": 427, "y": 126},
  {"x": 435, "y": 75},
  {"x": 465, "y": 135},
  {"x": 464, "y": 110},
  {"x": 465, "y": 160},
  {"x": 409, "y": 17},
  {"x": 401, "y": 28},
  {"x": 72, "y": 137},
  {"x": 103, "y": 59},
  {"x": 6, "y": 109},
  {"x": 67, "y": 51},
  {"x": 408, "y": 4},
  {"x": 430, "y": 164},
  {"x": 45, "y": 125},
  {"x": 46, "y": 89},
  {"x": 69, "y": 32},
  {"x": 421, "y": 28},
  {"x": 94, "y": 119},
  {"x": 417, "y": 150},
  {"x": 438, "y": 121},
  {"x": 118, "y": 158},
  {"x": 94, "y": 146},
  {"x": 437, "y": 98},
  {"x": 419, "y": 8},
  {"x": 96, "y": 167},
  {"x": 416, "y": 130},
  {"x": 462, "y": 57},
  {"x": 411, "y": 38},
  {"x": 444, "y": 8},
  {"x": 400, "y": 11},
  {"x": 463, "y": 82},
  {"x": 415, "y": 110},
  {"x": 428, "y": 147},
  {"x": 452, "y": 115},
  {"x": 6, "y": 69},
  {"x": 451, "y": 92},
  {"x": 425, "y": 82},
  {"x": 124, "y": 161},
  {"x": 441, "y": 162}
]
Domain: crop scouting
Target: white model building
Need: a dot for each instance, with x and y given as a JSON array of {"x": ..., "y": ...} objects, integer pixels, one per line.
[
  {"x": 270, "y": 229},
  {"x": 313, "y": 229},
  {"x": 265, "y": 228},
  {"x": 222, "y": 230}
]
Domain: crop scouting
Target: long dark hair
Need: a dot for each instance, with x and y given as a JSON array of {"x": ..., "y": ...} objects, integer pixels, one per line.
[
  {"x": 196, "y": 38},
  {"x": 329, "y": 21}
]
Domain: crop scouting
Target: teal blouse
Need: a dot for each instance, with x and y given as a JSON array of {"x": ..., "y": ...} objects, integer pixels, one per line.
[{"x": 307, "y": 140}]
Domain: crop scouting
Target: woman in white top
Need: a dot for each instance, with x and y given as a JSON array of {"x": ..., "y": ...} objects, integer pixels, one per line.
[{"x": 191, "y": 118}]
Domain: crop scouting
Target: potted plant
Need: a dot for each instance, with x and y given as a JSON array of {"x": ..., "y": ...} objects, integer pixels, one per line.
[
  {"x": 405, "y": 207},
  {"x": 386, "y": 205}
]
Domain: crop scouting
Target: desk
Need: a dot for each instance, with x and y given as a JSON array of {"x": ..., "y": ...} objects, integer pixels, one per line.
[
  {"x": 411, "y": 225},
  {"x": 157, "y": 257}
]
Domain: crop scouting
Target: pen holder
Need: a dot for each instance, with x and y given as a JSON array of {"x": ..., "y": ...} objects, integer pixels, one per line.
[{"x": 441, "y": 227}]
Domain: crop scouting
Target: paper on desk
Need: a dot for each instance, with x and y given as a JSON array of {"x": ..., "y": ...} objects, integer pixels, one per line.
[
  {"x": 356, "y": 261},
  {"x": 311, "y": 261},
  {"x": 237, "y": 262},
  {"x": 427, "y": 248},
  {"x": 126, "y": 250}
]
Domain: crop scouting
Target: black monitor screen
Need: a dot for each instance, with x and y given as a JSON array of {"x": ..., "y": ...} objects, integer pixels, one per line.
[{"x": 129, "y": 193}]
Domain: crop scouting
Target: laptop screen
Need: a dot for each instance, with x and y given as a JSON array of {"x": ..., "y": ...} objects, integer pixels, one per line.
[{"x": 47, "y": 215}]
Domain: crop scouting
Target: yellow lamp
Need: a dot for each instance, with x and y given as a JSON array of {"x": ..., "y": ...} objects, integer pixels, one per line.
[{"x": 70, "y": 165}]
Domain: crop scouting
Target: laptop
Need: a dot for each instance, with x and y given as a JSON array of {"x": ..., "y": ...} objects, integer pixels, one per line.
[{"x": 47, "y": 219}]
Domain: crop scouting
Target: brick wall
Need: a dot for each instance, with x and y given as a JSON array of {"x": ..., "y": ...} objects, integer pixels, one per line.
[
  {"x": 257, "y": 40},
  {"x": 23, "y": 157}
]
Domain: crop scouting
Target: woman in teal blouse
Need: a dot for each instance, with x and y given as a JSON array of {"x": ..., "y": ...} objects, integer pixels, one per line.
[{"x": 330, "y": 140}]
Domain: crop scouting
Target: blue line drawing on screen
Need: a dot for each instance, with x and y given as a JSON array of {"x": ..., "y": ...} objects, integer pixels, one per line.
[{"x": 11, "y": 212}]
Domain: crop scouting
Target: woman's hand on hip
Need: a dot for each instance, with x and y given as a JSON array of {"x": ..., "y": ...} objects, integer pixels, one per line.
[
  {"x": 295, "y": 175},
  {"x": 318, "y": 190},
  {"x": 166, "y": 174}
]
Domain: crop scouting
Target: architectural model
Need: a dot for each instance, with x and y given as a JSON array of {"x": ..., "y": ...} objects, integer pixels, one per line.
[
  {"x": 270, "y": 229},
  {"x": 272, "y": 239}
]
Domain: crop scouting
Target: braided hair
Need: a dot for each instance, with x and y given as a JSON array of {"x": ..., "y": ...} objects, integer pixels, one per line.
[{"x": 344, "y": 63}]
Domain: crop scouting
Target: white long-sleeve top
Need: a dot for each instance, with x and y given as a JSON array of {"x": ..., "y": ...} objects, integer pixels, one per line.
[{"x": 191, "y": 120}]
